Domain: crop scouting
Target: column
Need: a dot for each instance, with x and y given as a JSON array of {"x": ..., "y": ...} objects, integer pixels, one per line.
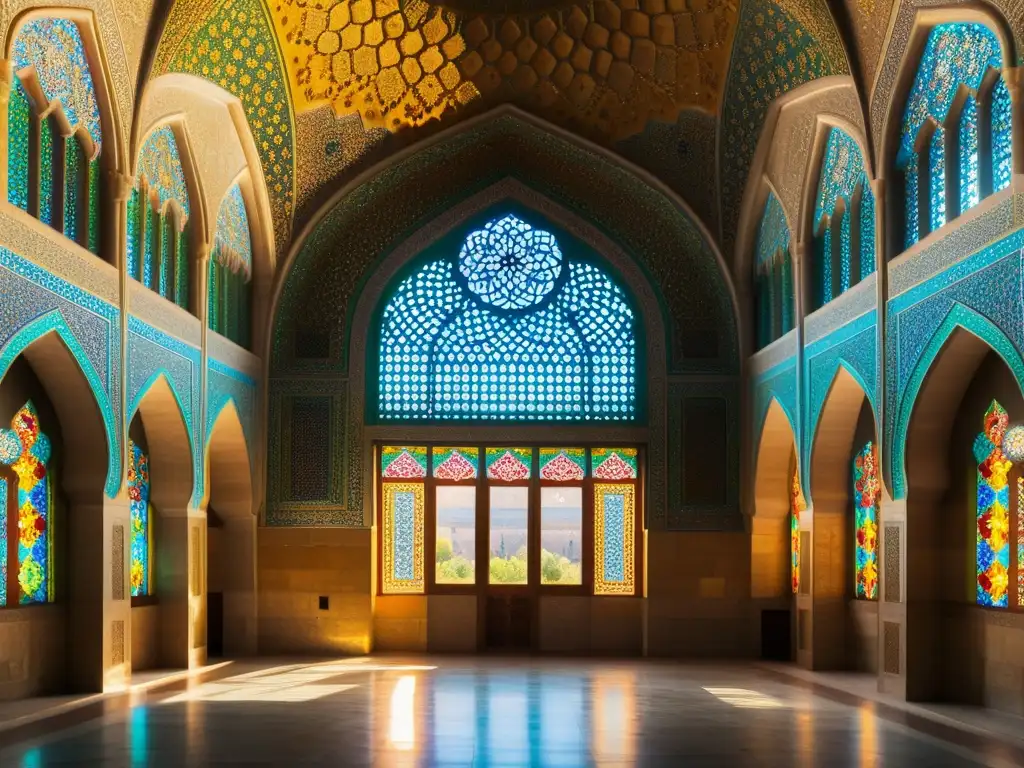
[{"x": 114, "y": 234}]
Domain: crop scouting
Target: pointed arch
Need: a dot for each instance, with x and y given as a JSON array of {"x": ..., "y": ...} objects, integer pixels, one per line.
[
  {"x": 228, "y": 475},
  {"x": 170, "y": 440},
  {"x": 56, "y": 355},
  {"x": 940, "y": 377}
]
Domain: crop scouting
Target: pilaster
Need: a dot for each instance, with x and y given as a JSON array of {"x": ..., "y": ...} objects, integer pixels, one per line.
[{"x": 6, "y": 81}]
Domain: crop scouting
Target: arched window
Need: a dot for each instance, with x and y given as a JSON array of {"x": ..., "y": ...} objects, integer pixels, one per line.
[
  {"x": 797, "y": 505},
  {"x": 773, "y": 275},
  {"x": 867, "y": 492},
  {"x": 844, "y": 213},
  {"x": 26, "y": 500},
  {"x": 230, "y": 278},
  {"x": 142, "y": 520},
  {"x": 158, "y": 213},
  {"x": 53, "y": 162},
  {"x": 996, "y": 448},
  {"x": 956, "y": 56},
  {"x": 511, "y": 327}
]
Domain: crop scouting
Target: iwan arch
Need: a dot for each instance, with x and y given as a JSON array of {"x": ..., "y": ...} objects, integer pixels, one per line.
[{"x": 584, "y": 332}]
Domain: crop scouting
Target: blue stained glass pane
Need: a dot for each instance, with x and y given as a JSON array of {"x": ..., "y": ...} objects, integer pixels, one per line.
[
  {"x": 787, "y": 292},
  {"x": 3, "y": 540},
  {"x": 1002, "y": 136},
  {"x": 46, "y": 138},
  {"x": 614, "y": 537},
  {"x": 970, "y": 187},
  {"x": 912, "y": 201},
  {"x": 867, "y": 231},
  {"x": 937, "y": 176},
  {"x": 19, "y": 115},
  {"x": 842, "y": 170},
  {"x": 404, "y": 536},
  {"x": 134, "y": 234},
  {"x": 448, "y": 352},
  {"x": 845, "y": 253}
]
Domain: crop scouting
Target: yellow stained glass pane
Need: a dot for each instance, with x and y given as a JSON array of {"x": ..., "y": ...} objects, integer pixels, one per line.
[
  {"x": 403, "y": 538},
  {"x": 614, "y": 506}
]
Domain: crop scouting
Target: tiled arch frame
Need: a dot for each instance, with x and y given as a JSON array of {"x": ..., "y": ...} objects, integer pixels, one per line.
[
  {"x": 374, "y": 291},
  {"x": 189, "y": 166},
  {"x": 959, "y": 317},
  {"x": 113, "y": 159}
]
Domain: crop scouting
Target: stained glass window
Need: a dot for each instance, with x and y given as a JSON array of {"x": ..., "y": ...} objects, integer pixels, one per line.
[
  {"x": 455, "y": 463},
  {"x": 167, "y": 257},
  {"x": 141, "y": 519},
  {"x": 151, "y": 250},
  {"x": 955, "y": 54},
  {"x": 95, "y": 201},
  {"x": 457, "y": 342},
  {"x": 787, "y": 292},
  {"x": 797, "y": 505},
  {"x": 867, "y": 491},
  {"x": 403, "y": 537},
  {"x": 5, "y": 490},
  {"x": 937, "y": 177},
  {"x": 563, "y": 464},
  {"x": 75, "y": 170},
  {"x": 231, "y": 259},
  {"x": 19, "y": 117},
  {"x": 993, "y": 529},
  {"x": 845, "y": 251},
  {"x": 824, "y": 258},
  {"x": 181, "y": 269},
  {"x": 26, "y": 449},
  {"x": 400, "y": 462},
  {"x": 613, "y": 463},
  {"x": 970, "y": 187},
  {"x": 1002, "y": 136},
  {"x": 867, "y": 232},
  {"x": 509, "y": 464},
  {"x": 614, "y": 506},
  {"x": 912, "y": 202},
  {"x": 771, "y": 248},
  {"x": 47, "y": 136}
]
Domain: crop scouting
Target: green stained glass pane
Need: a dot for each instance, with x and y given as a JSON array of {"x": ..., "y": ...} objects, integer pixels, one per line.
[
  {"x": 563, "y": 464},
  {"x": 95, "y": 201},
  {"x": 151, "y": 237},
  {"x": 509, "y": 463},
  {"x": 787, "y": 293},
  {"x": 167, "y": 255},
  {"x": 46, "y": 190},
  {"x": 4, "y": 491},
  {"x": 970, "y": 187},
  {"x": 181, "y": 269},
  {"x": 134, "y": 234},
  {"x": 19, "y": 115},
  {"x": 403, "y": 462},
  {"x": 824, "y": 259},
  {"x": 867, "y": 231},
  {"x": 75, "y": 169},
  {"x": 845, "y": 253},
  {"x": 211, "y": 296}
]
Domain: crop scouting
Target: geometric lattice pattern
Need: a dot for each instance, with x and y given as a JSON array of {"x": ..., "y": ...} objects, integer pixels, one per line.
[
  {"x": 614, "y": 511},
  {"x": 510, "y": 330}
]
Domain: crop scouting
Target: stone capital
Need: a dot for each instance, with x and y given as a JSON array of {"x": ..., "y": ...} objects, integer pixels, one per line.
[{"x": 120, "y": 185}]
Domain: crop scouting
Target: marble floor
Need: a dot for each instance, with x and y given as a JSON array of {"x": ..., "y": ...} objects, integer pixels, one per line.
[{"x": 440, "y": 711}]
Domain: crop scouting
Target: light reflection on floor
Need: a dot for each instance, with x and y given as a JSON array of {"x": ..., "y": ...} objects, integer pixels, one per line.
[{"x": 489, "y": 712}]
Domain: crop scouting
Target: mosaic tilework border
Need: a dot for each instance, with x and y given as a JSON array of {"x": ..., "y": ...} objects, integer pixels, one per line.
[
  {"x": 981, "y": 294},
  {"x": 90, "y": 328},
  {"x": 680, "y": 517},
  {"x": 855, "y": 348}
]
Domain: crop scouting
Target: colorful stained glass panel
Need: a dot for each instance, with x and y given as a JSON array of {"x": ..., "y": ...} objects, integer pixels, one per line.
[
  {"x": 26, "y": 450},
  {"x": 403, "y": 462},
  {"x": 1002, "y": 136},
  {"x": 563, "y": 464},
  {"x": 4, "y": 498},
  {"x": 509, "y": 464},
  {"x": 455, "y": 463},
  {"x": 613, "y": 463},
  {"x": 993, "y": 510},
  {"x": 797, "y": 505},
  {"x": 614, "y": 513},
  {"x": 138, "y": 498},
  {"x": 403, "y": 538},
  {"x": 19, "y": 116},
  {"x": 867, "y": 491},
  {"x": 1020, "y": 541}
]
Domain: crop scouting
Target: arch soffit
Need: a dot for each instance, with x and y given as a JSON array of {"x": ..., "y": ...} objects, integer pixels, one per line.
[
  {"x": 925, "y": 19},
  {"x": 227, "y": 427},
  {"x": 824, "y": 123},
  {"x": 807, "y": 103},
  {"x": 168, "y": 433},
  {"x": 962, "y": 318},
  {"x": 846, "y": 382},
  {"x": 374, "y": 290},
  {"x": 165, "y": 379},
  {"x": 54, "y": 323},
  {"x": 776, "y": 448},
  {"x": 513, "y": 120},
  {"x": 769, "y": 430},
  {"x": 112, "y": 114}
]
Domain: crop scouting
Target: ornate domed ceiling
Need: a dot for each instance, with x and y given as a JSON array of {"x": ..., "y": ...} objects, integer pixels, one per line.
[{"x": 329, "y": 83}]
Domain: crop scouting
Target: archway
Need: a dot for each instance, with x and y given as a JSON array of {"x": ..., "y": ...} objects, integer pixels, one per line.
[
  {"x": 74, "y": 639},
  {"x": 159, "y": 455},
  {"x": 228, "y": 580},
  {"x": 843, "y": 522},
  {"x": 772, "y": 581},
  {"x": 953, "y": 629}
]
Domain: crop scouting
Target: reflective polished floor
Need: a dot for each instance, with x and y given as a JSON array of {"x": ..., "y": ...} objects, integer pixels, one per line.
[{"x": 438, "y": 711}]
